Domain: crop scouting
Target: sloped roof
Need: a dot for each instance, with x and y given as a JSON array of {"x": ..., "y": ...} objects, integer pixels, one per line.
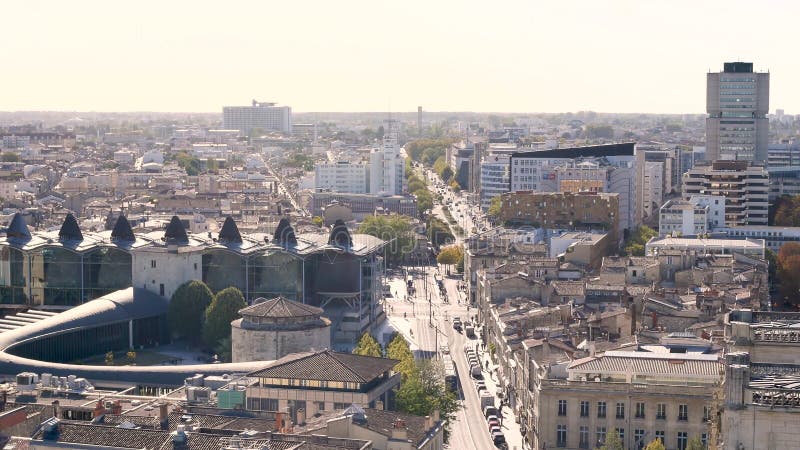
[
  {"x": 284, "y": 233},
  {"x": 280, "y": 307},
  {"x": 70, "y": 231},
  {"x": 18, "y": 229},
  {"x": 122, "y": 230},
  {"x": 340, "y": 235},
  {"x": 688, "y": 365},
  {"x": 175, "y": 231},
  {"x": 326, "y": 365},
  {"x": 230, "y": 232}
]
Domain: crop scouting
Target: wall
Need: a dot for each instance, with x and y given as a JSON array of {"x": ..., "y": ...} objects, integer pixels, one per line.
[{"x": 260, "y": 345}]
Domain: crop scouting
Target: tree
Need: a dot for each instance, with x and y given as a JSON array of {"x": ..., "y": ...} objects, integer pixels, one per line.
[
  {"x": 495, "y": 207},
  {"x": 423, "y": 391},
  {"x": 452, "y": 254},
  {"x": 9, "y": 157},
  {"x": 695, "y": 443},
  {"x": 424, "y": 201},
  {"x": 788, "y": 269},
  {"x": 396, "y": 230},
  {"x": 223, "y": 349},
  {"x": 220, "y": 313},
  {"x": 787, "y": 211},
  {"x": 415, "y": 184},
  {"x": 613, "y": 442},
  {"x": 634, "y": 246},
  {"x": 186, "y": 309},
  {"x": 655, "y": 444},
  {"x": 399, "y": 349},
  {"x": 109, "y": 358},
  {"x": 439, "y": 233},
  {"x": 600, "y": 131},
  {"x": 368, "y": 346}
]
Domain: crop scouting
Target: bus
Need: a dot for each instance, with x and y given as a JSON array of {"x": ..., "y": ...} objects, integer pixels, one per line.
[{"x": 450, "y": 374}]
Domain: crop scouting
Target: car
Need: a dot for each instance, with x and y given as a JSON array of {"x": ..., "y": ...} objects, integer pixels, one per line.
[
  {"x": 491, "y": 417},
  {"x": 493, "y": 429},
  {"x": 493, "y": 423},
  {"x": 499, "y": 440},
  {"x": 489, "y": 411},
  {"x": 480, "y": 387}
]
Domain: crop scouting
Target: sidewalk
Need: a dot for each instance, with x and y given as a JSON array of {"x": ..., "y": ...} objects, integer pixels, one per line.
[{"x": 510, "y": 424}]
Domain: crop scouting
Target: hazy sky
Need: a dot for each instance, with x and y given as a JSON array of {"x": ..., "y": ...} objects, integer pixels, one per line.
[{"x": 338, "y": 55}]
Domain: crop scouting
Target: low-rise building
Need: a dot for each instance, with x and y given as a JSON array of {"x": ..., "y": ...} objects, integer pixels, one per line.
[{"x": 748, "y": 247}]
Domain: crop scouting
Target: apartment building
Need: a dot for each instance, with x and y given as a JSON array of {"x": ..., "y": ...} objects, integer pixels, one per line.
[
  {"x": 342, "y": 176},
  {"x": 263, "y": 116},
  {"x": 744, "y": 186},
  {"x": 570, "y": 210}
]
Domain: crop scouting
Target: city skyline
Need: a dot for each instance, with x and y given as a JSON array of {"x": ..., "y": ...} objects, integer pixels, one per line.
[{"x": 316, "y": 56}]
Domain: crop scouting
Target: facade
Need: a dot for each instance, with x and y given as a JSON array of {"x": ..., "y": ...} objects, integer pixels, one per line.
[
  {"x": 612, "y": 168},
  {"x": 342, "y": 176},
  {"x": 261, "y": 115},
  {"x": 784, "y": 181},
  {"x": 271, "y": 329},
  {"x": 737, "y": 102},
  {"x": 744, "y": 186},
  {"x": 760, "y": 407},
  {"x": 363, "y": 205},
  {"x": 322, "y": 381},
  {"x": 652, "y": 188},
  {"x": 784, "y": 154},
  {"x": 386, "y": 430},
  {"x": 711, "y": 246},
  {"x": 494, "y": 178},
  {"x": 774, "y": 237},
  {"x": 589, "y": 210},
  {"x": 386, "y": 165},
  {"x": 642, "y": 395},
  {"x": 682, "y": 217}
]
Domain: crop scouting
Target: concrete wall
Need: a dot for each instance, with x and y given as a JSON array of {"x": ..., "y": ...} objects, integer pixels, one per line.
[{"x": 172, "y": 269}]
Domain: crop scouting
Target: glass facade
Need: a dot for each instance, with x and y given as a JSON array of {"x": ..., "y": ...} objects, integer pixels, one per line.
[
  {"x": 56, "y": 276},
  {"x": 105, "y": 270},
  {"x": 12, "y": 276},
  {"x": 223, "y": 268},
  {"x": 274, "y": 274}
]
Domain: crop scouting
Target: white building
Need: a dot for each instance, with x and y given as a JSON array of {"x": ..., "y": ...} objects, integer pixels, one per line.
[
  {"x": 652, "y": 187},
  {"x": 774, "y": 237},
  {"x": 682, "y": 217},
  {"x": 609, "y": 168},
  {"x": 712, "y": 246},
  {"x": 744, "y": 186},
  {"x": 263, "y": 116},
  {"x": 342, "y": 176},
  {"x": 494, "y": 172},
  {"x": 386, "y": 165},
  {"x": 737, "y": 102}
]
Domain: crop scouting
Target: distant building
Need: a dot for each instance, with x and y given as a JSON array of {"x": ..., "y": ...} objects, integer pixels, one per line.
[
  {"x": 580, "y": 210},
  {"x": 737, "y": 102},
  {"x": 342, "y": 177},
  {"x": 744, "y": 186},
  {"x": 774, "y": 237},
  {"x": 784, "y": 181},
  {"x": 386, "y": 165},
  {"x": 363, "y": 205},
  {"x": 263, "y": 116},
  {"x": 612, "y": 168},
  {"x": 712, "y": 246},
  {"x": 682, "y": 217},
  {"x": 784, "y": 154}
]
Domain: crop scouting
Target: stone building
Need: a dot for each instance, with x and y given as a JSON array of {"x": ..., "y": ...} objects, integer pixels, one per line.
[{"x": 272, "y": 329}]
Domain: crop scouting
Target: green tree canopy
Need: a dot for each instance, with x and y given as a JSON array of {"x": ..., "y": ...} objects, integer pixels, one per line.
[
  {"x": 424, "y": 201},
  {"x": 396, "y": 230},
  {"x": 495, "y": 207},
  {"x": 634, "y": 246},
  {"x": 368, "y": 346},
  {"x": 9, "y": 157},
  {"x": 695, "y": 443},
  {"x": 613, "y": 442},
  {"x": 187, "y": 308},
  {"x": 220, "y": 313},
  {"x": 787, "y": 211},
  {"x": 788, "y": 271},
  {"x": 399, "y": 349},
  {"x": 438, "y": 232},
  {"x": 655, "y": 444},
  {"x": 423, "y": 391},
  {"x": 451, "y": 254}
]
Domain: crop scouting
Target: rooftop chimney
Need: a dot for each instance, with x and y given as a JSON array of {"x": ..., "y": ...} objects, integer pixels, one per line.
[
  {"x": 399, "y": 430},
  {"x": 162, "y": 414}
]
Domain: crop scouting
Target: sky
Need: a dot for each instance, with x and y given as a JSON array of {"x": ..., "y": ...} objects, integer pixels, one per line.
[{"x": 339, "y": 55}]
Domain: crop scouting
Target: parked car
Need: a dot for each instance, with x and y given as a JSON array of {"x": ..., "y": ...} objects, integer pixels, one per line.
[{"x": 490, "y": 411}]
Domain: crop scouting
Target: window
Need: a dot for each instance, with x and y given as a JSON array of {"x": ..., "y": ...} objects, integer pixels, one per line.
[
  {"x": 660, "y": 435},
  {"x": 584, "y": 408},
  {"x": 661, "y": 411},
  {"x": 704, "y": 439},
  {"x": 152, "y": 263},
  {"x": 601, "y": 409},
  {"x": 621, "y": 434},
  {"x": 320, "y": 406},
  {"x": 706, "y": 413},
  {"x": 640, "y": 410},
  {"x": 562, "y": 407},
  {"x": 601, "y": 435},
  {"x": 683, "y": 440},
  {"x": 584, "y": 437},
  {"x": 620, "y": 410},
  {"x": 683, "y": 412},
  {"x": 561, "y": 435},
  {"x": 638, "y": 439},
  {"x": 161, "y": 289}
]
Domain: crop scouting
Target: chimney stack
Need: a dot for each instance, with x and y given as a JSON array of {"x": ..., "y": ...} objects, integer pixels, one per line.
[
  {"x": 399, "y": 430},
  {"x": 162, "y": 414},
  {"x": 56, "y": 409}
]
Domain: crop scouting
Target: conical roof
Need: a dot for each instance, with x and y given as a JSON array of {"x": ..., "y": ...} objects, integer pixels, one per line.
[
  {"x": 340, "y": 235},
  {"x": 175, "y": 232},
  {"x": 70, "y": 231},
  {"x": 122, "y": 230},
  {"x": 230, "y": 232},
  {"x": 284, "y": 233},
  {"x": 18, "y": 229}
]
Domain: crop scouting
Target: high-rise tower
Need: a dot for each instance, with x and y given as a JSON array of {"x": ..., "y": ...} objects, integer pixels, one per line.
[{"x": 737, "y": 102}]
